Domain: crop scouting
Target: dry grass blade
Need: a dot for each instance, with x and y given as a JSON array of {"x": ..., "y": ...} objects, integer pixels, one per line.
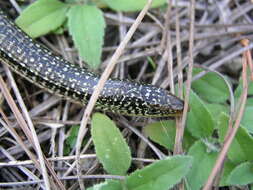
[
  {"x": 166, "y": 44},
  {"x": 26, "y": 130},
  {"x": 180, "y": 128},
  {"x": 231, "y": 132},
  {"x": 102, "y": 81}
]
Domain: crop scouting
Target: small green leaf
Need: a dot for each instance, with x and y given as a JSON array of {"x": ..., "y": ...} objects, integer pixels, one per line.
[
  {"x": 203, "y": 163},
  {"x": 160, "y": 175},
  {"x": 238, "y": 90},
  {"x": 86, "y": 25},
  {"x": 228, "y": 167},
  {"x": 210, "y": 87},
  {"x": 217, "y": 108},
  {"x": 247, "y": 119},
  {"x": 200, "y": 122},
  {"x": 71, "y": 139},
  {"x": 241, "y": 148},
  {"x": 131, "y": 5},
  {"x": 107, "y": 185},
  {"x": 42, "y": 17},
  {"x": 242, "y": 174},
  {"x": 111, "y": 148},
  {"x": 163, "y": 133},
  {"x": 151, "y": 62}
]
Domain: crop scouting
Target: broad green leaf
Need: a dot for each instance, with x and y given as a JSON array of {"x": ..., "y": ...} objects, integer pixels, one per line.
[
  {"x": 110, "y": 146},
  {"x": 86, "y": 25},
  {"x": 215, "y": 108},
  {"x": 200, "y": 122},
  {"x": 210, "y": 87},
  {"x": 131, "y": 5},
  {"x": 241, "y": 148},
  {"x": 242, "y": 174},
  {"x": 228, "y": 167},
  {"x": 163, "y": 133},
  {"x": 204, "y": 160},
  {"x": 160, "y": 175},
  {"x": 247, "y": 119},
  {"x": 203, "y": 163},
  {"x": 107, "y": 185},
  {"x": 238, "y": 90},
  {"x": 42, "y": 17}
]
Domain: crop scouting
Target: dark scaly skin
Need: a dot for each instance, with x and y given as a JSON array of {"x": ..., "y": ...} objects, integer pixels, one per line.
[{"x": 40, "y": 66}]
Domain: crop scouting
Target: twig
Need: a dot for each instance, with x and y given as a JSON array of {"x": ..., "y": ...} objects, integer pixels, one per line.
[
  {"x": 12, "y": 184},
  {"x": 101, "y": 84},
  {"x": 143, "y": 138},
  {"x": 31, "y": 127},
  {"x": 25, "y": 128},
  {"x": 232, "y": 132},
  {"x": 102, "y": 81},
  {"x": 180, "y": 133}
]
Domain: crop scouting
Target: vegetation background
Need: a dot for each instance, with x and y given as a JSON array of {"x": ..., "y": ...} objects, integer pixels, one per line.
[{"x": 199, "y": 50}]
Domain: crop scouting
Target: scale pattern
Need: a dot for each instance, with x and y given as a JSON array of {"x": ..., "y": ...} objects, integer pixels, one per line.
[{"x": 40, "y": 66}]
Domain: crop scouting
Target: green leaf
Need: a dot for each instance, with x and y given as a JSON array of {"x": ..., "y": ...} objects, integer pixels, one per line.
[
  {"x": 86, "y": 25},
  {"x": 163, "y": 133},
  {"x": 131, "y": 5},
  {"x": 200, "y": 122},
  {"x": 247, "y": 119},
  {"x": 228, "y": 167},
  {"x": 242, "y": 174},
  {"x": 238, "y": 90},
  {"x": 203, "y": 163},
  {"x": 217, "y": 108},
  {"x": 42, "y": 17},
  {"x": 107, "y": 185},
  {"x": 71, "y": 139},
  {"x": 210, "y": 87},
  {"x": 204, "y": 160},
  {"x": 111, "y": 148},
  {"x": 160, "y": 175},
  {"x": 241, "y": 148}
]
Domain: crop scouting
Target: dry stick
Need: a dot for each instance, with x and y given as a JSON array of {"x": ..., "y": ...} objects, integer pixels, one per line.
[
  {"x": 66, "y": 158},
  {"x": 23, "y": 124},
  {"x": 159, "y": 154},
  {"x": 179, "y": 54},
  {"x": 179, "y": 135},
  {"x": 15, "y": 4},
  {"x": 167, "y": 41},
  {"x": 169, "y": 46},
  {"x": 249, "y": 58},
  {"x": 28, "y": 172},
  {"x": 231, "y": 133},
  {"x": 104, "y": 177},
  {"x": 36, "y": 142},
  {"x": 224, "y": 60},
  {"x": 31, "y": 127},
  {"x": 15, "y": 135},
  {"x": 101, "y": 84},
  {"x": 180, "y": 82}
]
